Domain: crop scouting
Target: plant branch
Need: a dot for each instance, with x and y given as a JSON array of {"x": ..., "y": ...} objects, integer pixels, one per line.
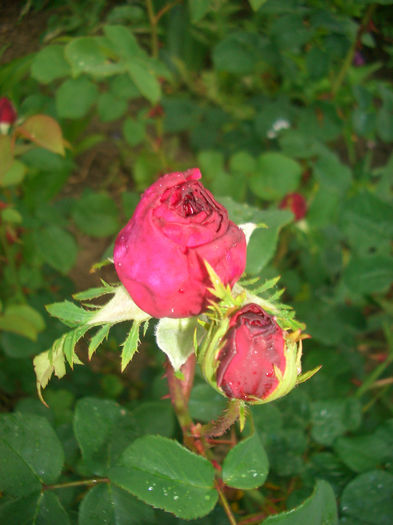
[
  {"x": 224, "y": 422},
  {"x": 225, "y": 504},
  {"x": 76, "y": 483},
  {"x": 351, "y": 52},
  {"x": 153, "y": 25}
]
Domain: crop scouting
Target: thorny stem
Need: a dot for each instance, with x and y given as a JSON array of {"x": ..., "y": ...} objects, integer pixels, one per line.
[
  {"x": 224, "y": 422},
  {"x": 352, "y": 50},
  {"x": 225, "y": 504},
  {"x": 76, "y": 483},
  {"x": 179, "y": 393}
]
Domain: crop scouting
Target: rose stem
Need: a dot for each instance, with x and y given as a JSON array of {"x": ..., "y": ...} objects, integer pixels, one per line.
[
  {"x": 224, "y": 422},
  {"x": 179, "y": 393}
]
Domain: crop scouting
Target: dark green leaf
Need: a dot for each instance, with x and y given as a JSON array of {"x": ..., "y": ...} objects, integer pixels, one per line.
[
  {"x": 369, "y": 274},
  {"x": 246, "y": 465},
  {"x": 110, "y": 107},
  {"x": 333, "y": 418},
  {"x": 75, "y": 97},
  {"x": 96, "y": 214},
  {"x": 164, "y": 474},
  {"x": 368, "y": 498},
  {"x": 134, "y": 131},
  {"x": 56, "y": 247},
  {"x": 144, "y": 80},
  {"x": 113, "y": 506},
  {"x": 103, "y": 429},
  {"x": 30, "y": 454},
  {"x": 319, "y": 509}
]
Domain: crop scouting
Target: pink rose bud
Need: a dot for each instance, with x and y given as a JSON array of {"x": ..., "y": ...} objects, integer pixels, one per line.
[
  {"x": 7, "y": 112},
  {"x": 159, "y": 255},
  {"x": 296, "y": 203},
  {"x": 254, "y": 346}
]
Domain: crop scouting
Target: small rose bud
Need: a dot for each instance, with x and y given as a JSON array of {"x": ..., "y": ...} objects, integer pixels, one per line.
[
  {"x": 296, "y": 203},
  {"x": 7, "y": 111},
  {"x": 258, "y": 362}
]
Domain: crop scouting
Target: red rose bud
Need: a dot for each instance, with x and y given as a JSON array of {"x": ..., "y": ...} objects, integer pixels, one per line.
[
  {"x": 159, "y": 255},
  {"x": 296, "y": 203},
  {"x": 258, "y": 362},
  {"x": 7, "y": 112}
]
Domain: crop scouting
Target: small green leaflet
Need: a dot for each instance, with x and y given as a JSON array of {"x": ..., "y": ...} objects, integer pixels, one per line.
[
  {"x": 130, "y": 345},
  {"x": 98, "y": 338}
]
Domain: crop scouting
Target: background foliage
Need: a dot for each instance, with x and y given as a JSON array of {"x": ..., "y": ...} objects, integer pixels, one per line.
[{"x": 267, "y": 97}]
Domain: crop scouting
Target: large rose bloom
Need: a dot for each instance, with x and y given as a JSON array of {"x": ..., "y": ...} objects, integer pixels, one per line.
[{"x": 159, "y": 255}]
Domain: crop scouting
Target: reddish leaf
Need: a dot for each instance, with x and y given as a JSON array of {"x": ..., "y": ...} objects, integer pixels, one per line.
[{"x": 43, "y": 131}]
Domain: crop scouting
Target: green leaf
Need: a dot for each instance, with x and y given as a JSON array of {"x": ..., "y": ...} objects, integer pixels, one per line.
[
  {"x": 69, "y": 313},
  {"x": 113, "y": 506},
  {"x": 369, "y": 274},
  {"x": 103, "y": 429},
  {"x": 30, "y": 454},
  {"x": 246, "y": 465},
  {"x": 238, "y": 53},
  {"x": 164, "y": 474},
  {"x": 363, "y": 453},
  {"x": 11, "y": 215},
  {"x": 319, "y": 509},
  {"x": 69, "y": 341},
  {"x": 130, "y": 345},
  {"x": 206, "y": 404},
  {"x": 333, "y": 418},
  {"x": 14, "y": 175},
  {"x": 276, "y": 176},
  {"x": 98, "y": 338},
  {"x": 175, "y": 337},
  {"x": 368, "y": 222},
  {"x": 111, "y": 107},
  {"x": 56, "y": 247},
  {"x": 198, "y": 9},
  {"x": 22, "y": 319},
  {"x": 155, "y": 417},
  {"x": 43, "y": 131},
  {"x": 96, "y": 214},
  {"x": 262, "y": 245},
  {"x": 122, "y": 42},
  {"x": 87, "y": 54},
  {"x": 93, "y": 293},
  {"x": 40, "y": 508},
  {"x": 368, "y": 498},
  {"x": 256, "y": 4},
  {"x": 49, "y": 64},
  {"x": 75, "y": 97},
  {"x": 144, "y": 80},
  {"x": 134, "y": 131}
]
